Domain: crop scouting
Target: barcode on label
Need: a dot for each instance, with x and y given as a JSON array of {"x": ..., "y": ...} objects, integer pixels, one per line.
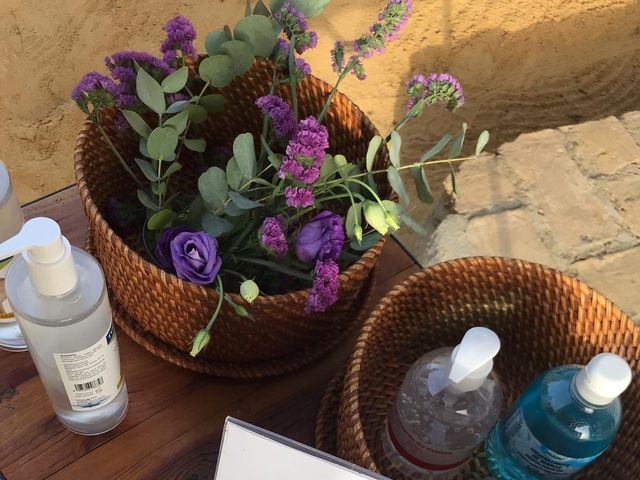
[{"x": 79, "y": 387}]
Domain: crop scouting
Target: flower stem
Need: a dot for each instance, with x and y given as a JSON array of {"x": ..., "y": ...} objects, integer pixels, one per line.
[
  {"x": 327, "y": 104},
  {"x": 293, "y": 80},
  {"x": 117, "y": 154},
  {"x": 219, "y": 306},
  {"x": 275, "y": 266}
]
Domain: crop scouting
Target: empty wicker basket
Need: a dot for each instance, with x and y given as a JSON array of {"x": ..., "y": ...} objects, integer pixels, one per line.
[
  {"x": 544, "y": 318},
  {"x": 174, "y": 310}
]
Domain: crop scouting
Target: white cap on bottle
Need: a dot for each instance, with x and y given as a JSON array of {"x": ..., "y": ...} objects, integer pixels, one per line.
[
  {"x": 48, "y": 256},
  {"x": 472, "y": 359},
  {"x": 603, "y": 379}
]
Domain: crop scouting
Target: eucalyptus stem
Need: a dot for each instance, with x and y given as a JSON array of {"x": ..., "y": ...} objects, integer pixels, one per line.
[
  {"x": 219, "y": 306},
  {"x": 117, "y": 154}
]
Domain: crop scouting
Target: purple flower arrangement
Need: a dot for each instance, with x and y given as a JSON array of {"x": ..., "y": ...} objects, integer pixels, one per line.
[{"x": 275, "y": 211}]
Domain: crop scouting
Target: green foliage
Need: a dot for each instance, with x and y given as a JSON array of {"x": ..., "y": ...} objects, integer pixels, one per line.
[
  {"x": 310, "y": 8},
  {"x": 234, "y": 176},
  {"x": 261, "y": 9},
  {"x": 146, "y": 200},
  {"x": 216, "y": 226},
  {"x": 240, "y": 52},
  {"x": 178, "y": 106},
  {"x": 195, "y": 144},
  {"x": 394, "y": 151},
  {"x": 242, "y": 202},
  {"x": 245, "y": 154},
  {"x": 147, "y": 169},
  {"x": 178, "y": 122},
  {"x": 368, "y": 241},
  {"x": 456, "y": 146},
  {"x": 214, "y": 40},
  {"x": 422, "y": 184},
  {"x": 176, "y": 81},
  {"x": 162, "y": 143},
  {"x": 437, "y": 148},
  {"x": 258, "y": 31},
  {"x": 395, "y": 180},
  {"x": 197, "y": 114},
  {"x": 218, "y": 70},
  {"x": 150, "y": 92},
  {"x": 374, "y": 146},
  {"x": 137, "y": 123},
  {"x": 213, "y": 103},
  {"x": 173, "y": 168},
  {"x": 483, "y": 139},
  {"x": 160, "y": 219},
  {"x": 213, "y": 188},
  {"x": 354, "y": 217}
]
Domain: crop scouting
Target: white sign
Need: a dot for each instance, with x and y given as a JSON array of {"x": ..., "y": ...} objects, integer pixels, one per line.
[{"x": 251, "y": 453}]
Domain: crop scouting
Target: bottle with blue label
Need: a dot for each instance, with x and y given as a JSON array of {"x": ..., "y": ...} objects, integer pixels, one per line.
[
  {"x": 562, "y": 422},
  {"x": 59, "y": 298}
]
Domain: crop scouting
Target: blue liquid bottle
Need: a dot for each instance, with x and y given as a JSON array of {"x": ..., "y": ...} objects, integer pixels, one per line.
[{"x": 562, "y": 422}]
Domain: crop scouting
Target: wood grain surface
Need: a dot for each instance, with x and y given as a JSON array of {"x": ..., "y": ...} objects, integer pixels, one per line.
[{"x": 174, "y": 424}]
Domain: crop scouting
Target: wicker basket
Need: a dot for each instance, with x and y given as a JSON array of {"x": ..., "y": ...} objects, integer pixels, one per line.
[
  {"x": 174, "y": 310},
  {"x": 544, "y": 318}
]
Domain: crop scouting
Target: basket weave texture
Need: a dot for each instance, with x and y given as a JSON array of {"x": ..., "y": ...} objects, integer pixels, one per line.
[
  {"x": 173, "y": 310},
  {"x": 544, "y": 319}
]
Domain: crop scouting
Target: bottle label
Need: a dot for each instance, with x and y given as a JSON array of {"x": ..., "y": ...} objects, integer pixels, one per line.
[
  {"x": 420, "y": 454},
  {"x": 92, "y": 377},
  {"x": 538, "y": 459}
]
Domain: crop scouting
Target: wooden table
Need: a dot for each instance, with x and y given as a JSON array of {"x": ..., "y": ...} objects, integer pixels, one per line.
[{"x": 175, "y": 418}]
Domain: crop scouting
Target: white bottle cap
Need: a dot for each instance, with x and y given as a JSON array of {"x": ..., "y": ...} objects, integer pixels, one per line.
[
  {"x": 472, "y": 360},
  {"x": 48, "y": 256},
  {"x": 603, "y": 379}
]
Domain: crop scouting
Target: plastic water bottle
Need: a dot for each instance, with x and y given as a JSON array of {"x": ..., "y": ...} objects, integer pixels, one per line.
[
  {"x": 59, "y": 298},
  {"x": 562, "y": 422},
  {"x": 447, "y": 405}
]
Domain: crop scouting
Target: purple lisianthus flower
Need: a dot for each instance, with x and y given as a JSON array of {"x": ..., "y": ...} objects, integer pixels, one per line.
[
  {"x": 299, "y": 197},
  {"x": 273, "y": 236},
  {"x": 180, "y": 36},
  {"x": 437, "y": 87},
  {"x": 326, "y": 283},
  {"x": 195, "y": 257},
  {"x": 321, "y": 238},
  {"x": 163, "y": 247},
  {"x": 283, "y": 118}
]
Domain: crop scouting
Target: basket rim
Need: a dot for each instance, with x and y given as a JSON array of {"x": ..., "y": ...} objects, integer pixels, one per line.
[
  {"x": 149, "y": 268},
  {"x": 350, "y": 396}
]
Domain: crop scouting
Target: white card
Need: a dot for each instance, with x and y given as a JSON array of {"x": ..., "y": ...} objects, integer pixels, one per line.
[{"x": 251, "y": 453}]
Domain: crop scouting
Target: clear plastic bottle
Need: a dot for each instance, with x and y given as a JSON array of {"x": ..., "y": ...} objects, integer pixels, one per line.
[
  {"x": 59, "y": 297},
  {"x": 562, "y": 422},
  {"x": 447, "y": 405}
]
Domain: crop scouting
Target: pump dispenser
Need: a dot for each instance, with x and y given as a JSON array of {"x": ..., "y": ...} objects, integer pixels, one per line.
[
  {"x": 447, "y": 405},
  {"x": 58, "y": 295}
]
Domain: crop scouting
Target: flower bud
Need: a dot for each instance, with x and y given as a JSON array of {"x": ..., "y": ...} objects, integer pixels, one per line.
[
  {"x": 249, "y": 290},
  {"x": 391, "y": 220},
  {"x": 357, "y": 233},
  {"x": 200, "y": 341}
]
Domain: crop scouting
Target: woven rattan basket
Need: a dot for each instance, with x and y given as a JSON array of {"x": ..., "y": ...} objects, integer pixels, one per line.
[
  {"x": 174, "y": 310},
  {"x": 544, "y": 318}
]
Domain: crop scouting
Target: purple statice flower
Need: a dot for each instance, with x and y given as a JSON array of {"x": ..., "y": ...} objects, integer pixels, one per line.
[
  {"x": 127, "y": 60},
  {"x": 120, "y": 122},
  {"x": 283, "y": 118},
  {"x": 293, "y": 22},
  {"x": 394, "y": 17},
  {"x": 299, "y": 197},
  {"x": 163, "y": 247},
  {"x": 437, "y": 87},
  {"x": 273, "y": 236},
  {"x": 326, "y": 283},
  {"x": 195, "y": 257},
  {"x": 302, "y": 68},
  {"x": 281, "y": 59},
  {"x": 305, "y": 151},
  {"x": 321, "y": 238},
  {"x": 357, "y": 69},
  {"x": 91, "y": 82},
  {"x": 337, "y": 57},
  {"x": 180, "y": 36}
]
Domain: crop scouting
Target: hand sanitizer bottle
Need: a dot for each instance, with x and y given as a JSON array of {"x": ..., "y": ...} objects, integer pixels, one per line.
[
  {"x": 59, "y": 298},
  {"x": 11, "y": 221},
  {"x": 447, "y": 405},
  {"x": 562, "y": 422}
]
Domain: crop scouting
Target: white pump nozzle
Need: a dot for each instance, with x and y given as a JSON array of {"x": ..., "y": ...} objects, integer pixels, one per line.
[
  {"x": 48, "y": 256},
  {"x": 472, "y": 359},
  {"x": 603, "y": 379}
]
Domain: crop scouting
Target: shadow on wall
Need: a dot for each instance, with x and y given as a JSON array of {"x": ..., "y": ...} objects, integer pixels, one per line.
[{"x": 582, "y": 68}]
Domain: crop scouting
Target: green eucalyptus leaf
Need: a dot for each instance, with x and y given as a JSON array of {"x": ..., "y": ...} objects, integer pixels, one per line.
[
  {"x": 147, "y": 169},
  {"x": 258, "y": 31},
  {"x": 150, "y": 92},
  {"x": 354, "y": 217},
  {"x": 197, "y": 114},
  {"x": 395, "y": 180},
  {"x": 310, "y": 8},
  {"x": 374, "y": 145},
  {"x": 196, "y": 211},
  {"x": 261, "y": 9},
  {"x": 437, "y": 148},
  {"x": 245, "y": 153},
  {"x": 240, "y": 52},
  {"x": 328, "y": 168},
  {"x": 176, "y": 81},
  {"x": 243, "y": 202},
  {"x": 161, "y": 188},
  {"x": 394, "y": 151},
  {"x": 162, "y": 143},
  {"x": 177, "y": 107},
  {"x": 218, "y": 70},
  {"x": 213, "y": 188},
  {"x": 276, "y": 160},
  {"x": 227, "y": 30},
  {"x": 456, "y": 146},
  {"x": 178, "y": 122},
  {"x": 160, "y": 220},
  {"x": 216, "y": 226},
  {"x": 137, "y": 123},
  {"x": 341, "y": 164},
  {"x": 213, "y": 103},
  {"x": 214, "y": 40},
  {"x": 146, "y": 200},
  {"x": 374, "y": 214},
  {"x": 196, "y": 144},
  {"x": 233, "y": 211},
  {"x": 368, "y": 241},
  {"x": 143, "y": 147},
  {"x": 412, "y": 224},
  {"x": 173, "y": 168},
  {"x": 234, "y": 175},
  {"x": 422, "y": 184},
  {"x": 483, "y": 139}
]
